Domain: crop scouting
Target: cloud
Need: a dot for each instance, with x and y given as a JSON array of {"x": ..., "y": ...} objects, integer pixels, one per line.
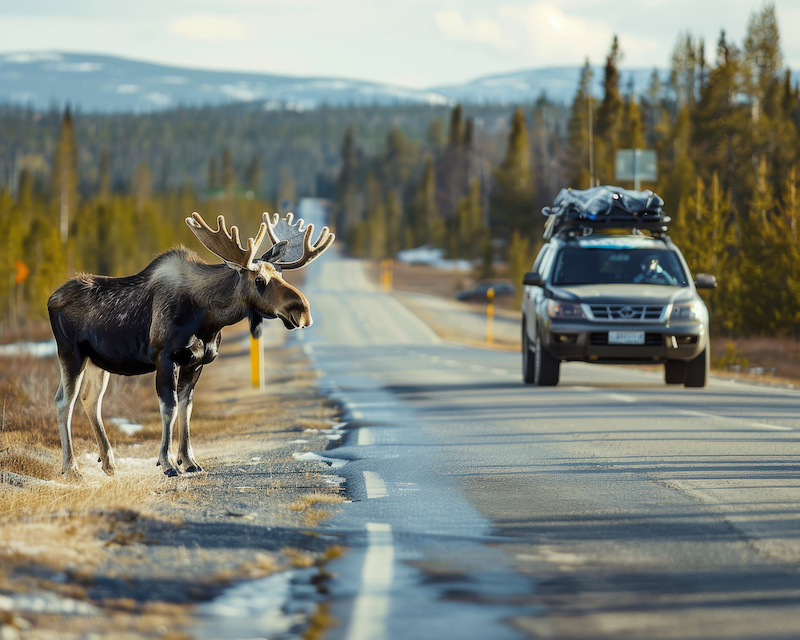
[
  {"x": 481, "y": 30},
  {"x": 210, "y": 28},
  {"x": 545, "y": 33}
]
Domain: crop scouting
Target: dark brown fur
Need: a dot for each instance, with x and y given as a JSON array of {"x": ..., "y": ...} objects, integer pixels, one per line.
[{"x": 166, "y": 319}]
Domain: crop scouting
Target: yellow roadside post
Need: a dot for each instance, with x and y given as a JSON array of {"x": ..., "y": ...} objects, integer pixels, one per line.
[
  {"x": 256, "y": 363},
  {"x": 489, "y": 315},
  {"x": 386, "y": 274}
]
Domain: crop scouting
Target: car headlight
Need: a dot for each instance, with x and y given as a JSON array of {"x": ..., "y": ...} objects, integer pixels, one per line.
[
  {"x": 691, "y": 311},
  {"x": 564, "y": 310}
]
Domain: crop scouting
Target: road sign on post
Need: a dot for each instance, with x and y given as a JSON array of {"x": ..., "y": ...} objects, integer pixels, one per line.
[{"x": 636, "y": 165}]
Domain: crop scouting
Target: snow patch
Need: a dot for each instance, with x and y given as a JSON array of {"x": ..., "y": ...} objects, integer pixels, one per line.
[
  {"x": 126, "y": 426},
  {"x": 260, "y": 608},
  {"x": 26, "y": 57},
  {"x": 315, "y": 457},
  {"x": 79, "y": 67},
  {"x": 46, "y": 603},
  {"x": 36, "y": 349}
]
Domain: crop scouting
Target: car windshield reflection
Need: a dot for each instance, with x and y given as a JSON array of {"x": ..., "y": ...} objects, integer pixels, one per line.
[{"x": 618, "y": 266}]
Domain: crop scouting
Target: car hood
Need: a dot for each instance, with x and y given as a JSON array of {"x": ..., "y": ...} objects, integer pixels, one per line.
[{"x": 627, "y": 293}]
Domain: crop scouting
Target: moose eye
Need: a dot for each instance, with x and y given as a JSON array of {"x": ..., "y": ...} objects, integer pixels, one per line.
[{"x": 260, "y": 283}]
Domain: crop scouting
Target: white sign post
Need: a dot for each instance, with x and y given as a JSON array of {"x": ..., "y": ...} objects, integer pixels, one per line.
[{"x": 636, "y": 165}]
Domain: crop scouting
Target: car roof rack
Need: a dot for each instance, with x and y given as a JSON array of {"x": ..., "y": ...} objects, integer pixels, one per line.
[{"x": 577, "y": 212}]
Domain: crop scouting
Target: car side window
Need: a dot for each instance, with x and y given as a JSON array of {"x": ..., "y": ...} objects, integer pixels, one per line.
[
  {"x": 539, "y": 257},
  {"x": 543, "y": 261}
]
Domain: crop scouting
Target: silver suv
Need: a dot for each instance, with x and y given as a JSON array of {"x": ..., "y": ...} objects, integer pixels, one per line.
[{"x": 622, "y": 299}]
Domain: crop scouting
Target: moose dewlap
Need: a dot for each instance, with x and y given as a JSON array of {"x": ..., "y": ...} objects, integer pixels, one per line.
[{"x": 168, "y": 319}]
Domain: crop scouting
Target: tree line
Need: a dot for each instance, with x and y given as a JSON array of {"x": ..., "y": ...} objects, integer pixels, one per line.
[
  {"x": 105, "y": 193},
  {"x": 726, "y": 136}
]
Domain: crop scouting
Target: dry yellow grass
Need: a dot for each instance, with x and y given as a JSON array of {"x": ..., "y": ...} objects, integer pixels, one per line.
[{"x": 82, "y": 527}]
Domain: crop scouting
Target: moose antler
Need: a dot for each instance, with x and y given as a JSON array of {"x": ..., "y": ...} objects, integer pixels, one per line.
[
  {"x": 226, "y": 244},
  {"x": 286, "y": 229}
]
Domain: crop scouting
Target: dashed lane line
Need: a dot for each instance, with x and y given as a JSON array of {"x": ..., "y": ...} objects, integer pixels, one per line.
[
  {"x": 375, "y": 486},
  {"x": 364, "y": 437},
  {"x": 371, "y": 607}
]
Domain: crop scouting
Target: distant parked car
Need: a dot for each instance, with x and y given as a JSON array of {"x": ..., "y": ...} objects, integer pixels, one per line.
[{"x": 502, "y": 289}]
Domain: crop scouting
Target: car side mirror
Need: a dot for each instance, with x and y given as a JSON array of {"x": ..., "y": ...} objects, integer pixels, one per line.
[
  {"x": 705, "y": 281},
  {"x": 532, "y": 279}
]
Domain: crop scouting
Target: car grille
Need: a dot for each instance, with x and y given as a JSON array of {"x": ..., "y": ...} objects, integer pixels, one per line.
[
  {"x": 629, "y": 312},
  {"x": 650, "y": 340}
]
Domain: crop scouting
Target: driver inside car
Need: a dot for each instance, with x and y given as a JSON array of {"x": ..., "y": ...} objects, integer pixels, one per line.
[{"x": 651, "y": 272}]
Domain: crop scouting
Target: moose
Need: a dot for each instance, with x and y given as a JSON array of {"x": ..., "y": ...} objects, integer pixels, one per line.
[{"x": 168, "y": 319}]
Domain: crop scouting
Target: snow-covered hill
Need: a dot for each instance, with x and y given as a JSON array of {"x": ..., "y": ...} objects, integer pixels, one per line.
[{"x": 95, "y": 83}]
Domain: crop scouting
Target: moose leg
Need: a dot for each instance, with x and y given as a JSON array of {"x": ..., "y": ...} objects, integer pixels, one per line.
[
  {"x": 166, "y": 388},
  {"x": 186, "y": 382},
  {"x": 95, "y": 382},
  {"x": 71, "y": 376}
]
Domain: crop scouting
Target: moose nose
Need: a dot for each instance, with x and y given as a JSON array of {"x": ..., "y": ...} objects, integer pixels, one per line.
[{"x": 304, "y": 320}]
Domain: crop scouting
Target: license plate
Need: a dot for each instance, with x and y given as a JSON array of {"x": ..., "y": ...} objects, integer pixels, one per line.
[{"x": 626, "y": 337}]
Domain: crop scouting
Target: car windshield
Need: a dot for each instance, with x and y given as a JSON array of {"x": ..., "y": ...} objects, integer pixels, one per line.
[{"x": 618, "y": 265}]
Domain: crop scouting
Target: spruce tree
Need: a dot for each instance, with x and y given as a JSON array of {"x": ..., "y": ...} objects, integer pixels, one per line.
[
  {"x": 64, "y": 178},
  {"x": 512, "y": 198}
]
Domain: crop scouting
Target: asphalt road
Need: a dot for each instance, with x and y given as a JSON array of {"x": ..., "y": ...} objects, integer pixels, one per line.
[{"x": 611, "y": 506}]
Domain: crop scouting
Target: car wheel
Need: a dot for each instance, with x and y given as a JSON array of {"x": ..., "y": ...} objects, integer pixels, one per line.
[
  {"x": 697, "y": 370},
  {"x": 528, "y": 357},
  {"x": 546, "y": 366},
  {"x": 675, "y": 371}
]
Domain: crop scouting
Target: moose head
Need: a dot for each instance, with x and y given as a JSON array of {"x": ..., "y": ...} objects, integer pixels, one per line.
[{"x": 261, "y": 287}]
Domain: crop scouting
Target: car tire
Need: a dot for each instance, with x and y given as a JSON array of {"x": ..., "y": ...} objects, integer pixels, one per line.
[
  {"x": 546, "y": 367},
  {"x": 528, "y": 358},
  {"x": 675, "y": 371},
  {"x": 697, "y": 370}
]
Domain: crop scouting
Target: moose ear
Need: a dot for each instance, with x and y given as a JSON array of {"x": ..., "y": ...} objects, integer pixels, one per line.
[{"x": 276, "y": 252}]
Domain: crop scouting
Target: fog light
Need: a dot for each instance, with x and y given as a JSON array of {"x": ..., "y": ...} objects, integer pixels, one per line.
[{"x": 565, "y": 338}]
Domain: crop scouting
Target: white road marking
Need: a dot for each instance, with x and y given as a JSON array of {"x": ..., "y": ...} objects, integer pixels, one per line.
[
  {"x": 769, "y": 427},
  {"x": 699, "y": 414},
  {"x": 621, "y": 398},
  {"x": 364, "y": 437},
  {"x": 376, "y": 487},
  {"x": 372, "y": 604},
  {"x": 498, "y": 372}
]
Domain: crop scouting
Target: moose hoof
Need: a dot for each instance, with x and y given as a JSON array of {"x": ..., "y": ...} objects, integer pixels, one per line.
[
  {"x": 158, "y": 464},
  {"x": 171, "y": 473},
  {"x": 194, "y": 469},
  {"x": 72, "y": 474}
]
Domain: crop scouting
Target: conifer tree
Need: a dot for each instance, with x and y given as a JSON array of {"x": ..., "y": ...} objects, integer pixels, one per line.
[
  {"x": 609, "y": 118},
  {"x": 512, "y": 198},
  {"x": 577, "y": 159},
  {"x": 253, "y": 176},
  {"x": 64, "y": 177},
  {"x": 452, "y": 167},
  {"x": 346, "y": 208},
  {"x": 426, "y": 225}
]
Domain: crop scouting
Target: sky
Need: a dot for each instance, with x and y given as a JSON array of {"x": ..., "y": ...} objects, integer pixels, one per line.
[{"x": 412, "y": 43}]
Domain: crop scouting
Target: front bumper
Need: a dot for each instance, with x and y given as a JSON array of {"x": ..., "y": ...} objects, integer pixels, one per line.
[{"x": 588, "y": 341}]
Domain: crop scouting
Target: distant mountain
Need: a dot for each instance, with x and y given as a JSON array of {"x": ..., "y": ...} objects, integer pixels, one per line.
[
  {"x": 559, "y": 84},
  {"x": 94, "y": 83}
]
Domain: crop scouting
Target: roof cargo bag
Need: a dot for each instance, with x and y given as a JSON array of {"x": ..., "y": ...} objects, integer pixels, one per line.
[{"x": 583, "y": 210}]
